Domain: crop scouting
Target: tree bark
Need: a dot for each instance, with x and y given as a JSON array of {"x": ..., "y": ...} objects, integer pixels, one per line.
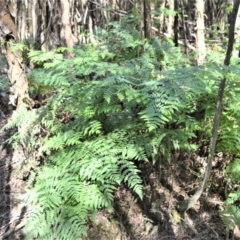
[
  {"x": 176, "y": 23},
  {"x": 184, "y": 32},
  {"x": 66, "y": 31},
  {"x": 200, "y": 40},
  {"x": 170, "y": 18},
  {"x": 145, "y": 19},
  {"x": 48, "y": 24},
  {"x": 7, "y": 26},
  {"x": 16, "y": 71},
  {"x": 236, "y": 52},
  {"x": 161, "y": 17},
  {"x": 17, "y": 76}
]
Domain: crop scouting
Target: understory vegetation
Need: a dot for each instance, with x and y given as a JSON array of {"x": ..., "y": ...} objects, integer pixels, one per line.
[{"x": 115, "y": 103}]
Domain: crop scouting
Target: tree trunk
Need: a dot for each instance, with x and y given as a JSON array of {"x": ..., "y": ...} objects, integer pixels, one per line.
[
  {"x": 160, "y": 5},
  {"x": 48, "y": 24},
  {"x": 236, "y": 53},
  {"x": 184, "y": 32},
  {"x": 210, "y": 10},
  {"x": 200, "y": 40},
  {"x": 17, "y": 76},
  {"x": 16, "y": 71},
  {"x": 66, "y": 31},
  {"x": 176, "y": 23},
  {"x": 145, "y": 19},
  {"x": 7, "y": 26},
  {"x": 170, "y": 18}
]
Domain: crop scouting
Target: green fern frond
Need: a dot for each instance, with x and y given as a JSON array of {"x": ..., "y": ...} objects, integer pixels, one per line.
[
  {"x": 231, "y": 216},
  {"x": 233, "y": 170}
]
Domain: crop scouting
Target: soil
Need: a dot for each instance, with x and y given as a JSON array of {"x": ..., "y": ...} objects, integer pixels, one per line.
[
  {"x": 153, "y": 218},
  {"x": 156, "y": 217}
]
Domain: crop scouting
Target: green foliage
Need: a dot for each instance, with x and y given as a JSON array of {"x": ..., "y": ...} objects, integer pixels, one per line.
[
  {"x": 231, "y": 214},
  {"x": 122, "y": 101},
  {"x": 19, "y": 47},
  {"x": 229, "y": 140},
  {"x": 233, "y": 170}
]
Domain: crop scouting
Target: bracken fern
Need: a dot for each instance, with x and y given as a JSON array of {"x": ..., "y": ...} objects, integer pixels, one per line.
[{"x": 110, "y": 106}]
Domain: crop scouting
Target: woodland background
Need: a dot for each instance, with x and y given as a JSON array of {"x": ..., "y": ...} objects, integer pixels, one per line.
[{"x": 120, "y": 119}]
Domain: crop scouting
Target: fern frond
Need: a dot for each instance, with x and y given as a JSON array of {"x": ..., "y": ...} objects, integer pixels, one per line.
[
  {"x": 233, "y": 170},
  {"x": 231, "y": 216}
]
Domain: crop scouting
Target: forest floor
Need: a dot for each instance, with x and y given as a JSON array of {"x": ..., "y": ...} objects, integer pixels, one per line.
[{"x": 153, "y": 218}]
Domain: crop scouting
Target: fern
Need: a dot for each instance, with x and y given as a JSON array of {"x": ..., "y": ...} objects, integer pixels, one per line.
[
  {"x": 83, "y": 178},
  {"x": 231, "y": 214},
  {"x": 110, "y": 106}
]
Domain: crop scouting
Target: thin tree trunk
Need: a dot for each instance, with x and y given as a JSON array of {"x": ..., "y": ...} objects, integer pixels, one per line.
[
  {"x": 161, "y": 17},
  {"x": 145, "y": 19},
  {"x": 200, "y": 40},
  {"x": 170, "y": 18},
  {"x": 236, "y": 52},
  {"x": 66, "y": 31},
  {"x": 188, "y": 203},
  {"x": 210, "y": 13},
  {"x": 176, "y": 23},
  {"x": 184, "y": 29}
]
